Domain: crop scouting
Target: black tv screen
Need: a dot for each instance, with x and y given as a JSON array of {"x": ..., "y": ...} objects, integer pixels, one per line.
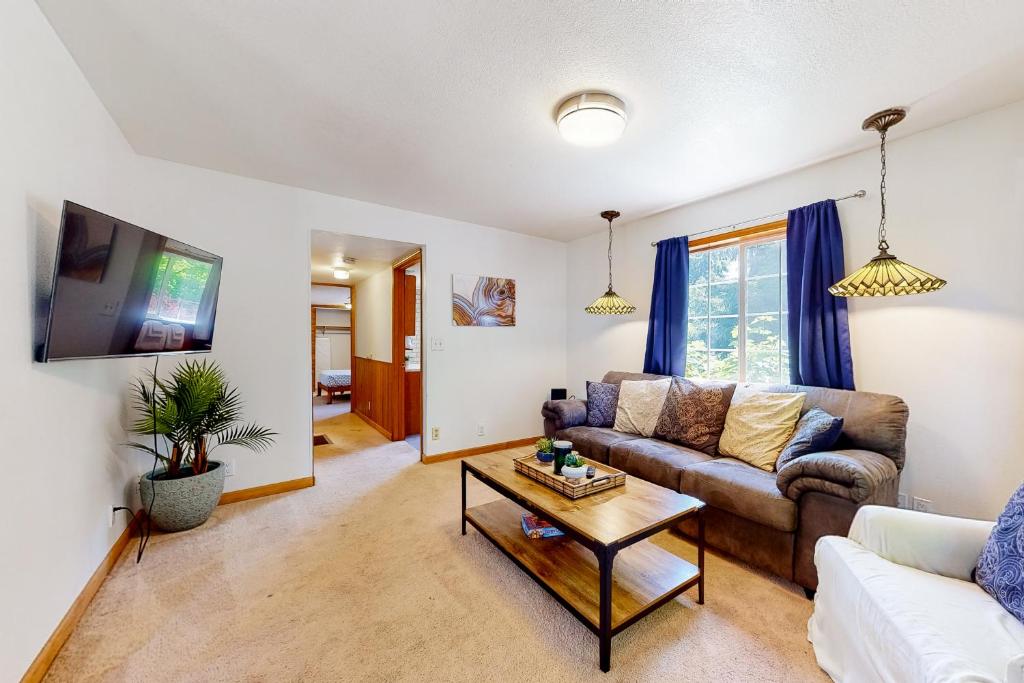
[{"x": 122, "y": 290}]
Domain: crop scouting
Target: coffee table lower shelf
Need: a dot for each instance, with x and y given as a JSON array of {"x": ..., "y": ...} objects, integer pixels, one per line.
[{"x": 645, "y": 576}]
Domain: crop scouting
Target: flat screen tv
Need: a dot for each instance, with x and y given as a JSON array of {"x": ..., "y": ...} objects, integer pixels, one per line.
[{"x": 121, "y": 290}]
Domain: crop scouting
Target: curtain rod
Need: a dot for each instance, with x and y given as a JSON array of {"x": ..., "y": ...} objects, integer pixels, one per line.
[{"x": 858, "y": 195}]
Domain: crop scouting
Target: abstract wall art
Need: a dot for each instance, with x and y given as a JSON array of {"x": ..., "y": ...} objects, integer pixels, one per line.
[{"x": 479, "y": 301}]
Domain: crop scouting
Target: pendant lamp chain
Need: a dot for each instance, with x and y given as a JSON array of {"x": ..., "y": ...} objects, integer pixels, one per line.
[
  {"x": 610, "y": 219},
  {"x": 882, "y": 244}
]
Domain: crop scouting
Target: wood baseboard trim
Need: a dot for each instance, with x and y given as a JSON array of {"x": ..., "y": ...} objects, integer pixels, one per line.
[
  {"x": 478, "y": 450},
  {"x": 41, "y": 665},
  {"x": 266, "y": 490},
  {"x": 366, "y": 418}
]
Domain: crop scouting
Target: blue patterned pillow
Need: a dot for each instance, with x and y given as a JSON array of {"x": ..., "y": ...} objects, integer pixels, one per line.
[
  {"x": 816, "y": 431},
  {"x": 1000, "y": 568},
  {"x": 602, "y": 400}
]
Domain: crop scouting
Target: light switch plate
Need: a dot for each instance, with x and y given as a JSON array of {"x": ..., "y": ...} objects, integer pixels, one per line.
[{"x": 437, "y": 343}]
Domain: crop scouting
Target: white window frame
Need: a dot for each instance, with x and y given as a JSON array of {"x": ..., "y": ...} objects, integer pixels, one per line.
[{"x": 741, "y": 338}]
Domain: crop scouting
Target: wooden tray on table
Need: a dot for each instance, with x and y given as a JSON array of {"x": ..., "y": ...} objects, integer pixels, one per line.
[{"x": 607, "y": 477}]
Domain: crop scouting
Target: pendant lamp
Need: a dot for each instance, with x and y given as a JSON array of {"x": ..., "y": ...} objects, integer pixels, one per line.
[
  {"x": 610, "y": 303},
  {"x": 886, "y": 275}
]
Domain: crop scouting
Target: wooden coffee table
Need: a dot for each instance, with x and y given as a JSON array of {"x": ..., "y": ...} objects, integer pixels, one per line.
[{"x": 599, "y": 529}]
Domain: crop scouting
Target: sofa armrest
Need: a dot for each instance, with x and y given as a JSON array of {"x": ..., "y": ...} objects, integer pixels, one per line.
[
  {"x": 856, "y": 475},
  {"x": 948, "y": 546},
  {"x": 562, "y": 414}
]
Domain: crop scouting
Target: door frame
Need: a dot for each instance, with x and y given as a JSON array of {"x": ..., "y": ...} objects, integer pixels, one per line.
[{"x": 398, "y": 269}]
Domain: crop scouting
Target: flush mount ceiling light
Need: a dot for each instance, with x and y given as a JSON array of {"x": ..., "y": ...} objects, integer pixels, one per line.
[
  {"x": 341, "y": 274},
  {"x": 610, "y": 303},
  {"x": 591, "y": 119},
  {"x": 886, "y": 275}
]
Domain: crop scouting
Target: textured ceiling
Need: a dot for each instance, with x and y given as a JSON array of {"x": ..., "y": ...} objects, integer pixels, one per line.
[
  {"x": 327, "y": 249},
  {"x": 446, "y": 107}
]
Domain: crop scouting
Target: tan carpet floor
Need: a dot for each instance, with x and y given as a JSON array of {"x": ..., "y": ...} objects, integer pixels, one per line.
[{"x": 365, "y": 577}]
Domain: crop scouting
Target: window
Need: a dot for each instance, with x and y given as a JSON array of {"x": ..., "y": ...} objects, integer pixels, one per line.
[
  {"x": 178, "y": 288},
  {"x": 737, "y": 311}
]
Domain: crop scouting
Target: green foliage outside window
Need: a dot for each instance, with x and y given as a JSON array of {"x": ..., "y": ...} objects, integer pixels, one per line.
[
  {"x": 178, "y": 287},
  {"x": 716, "y": 313}
]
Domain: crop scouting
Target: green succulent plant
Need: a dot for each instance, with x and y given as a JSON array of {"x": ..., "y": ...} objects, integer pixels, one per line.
[
  {"x": 574, "y": 460},
  {"x": 545, "y": 445}
]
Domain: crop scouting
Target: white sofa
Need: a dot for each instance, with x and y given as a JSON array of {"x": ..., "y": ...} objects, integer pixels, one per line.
[{"x": 896, "y": 602}]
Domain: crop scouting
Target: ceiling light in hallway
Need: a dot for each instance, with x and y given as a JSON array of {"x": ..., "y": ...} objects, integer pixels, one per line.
[
  {"x": 340, "y": 274},
  {"x": 592, "y": 119}
]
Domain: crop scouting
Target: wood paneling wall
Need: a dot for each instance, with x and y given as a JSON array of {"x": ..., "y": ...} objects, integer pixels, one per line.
[{"x": 373, "y": 397}]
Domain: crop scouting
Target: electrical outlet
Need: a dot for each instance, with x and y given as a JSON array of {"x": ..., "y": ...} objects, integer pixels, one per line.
[
  {"x": 901, "y": 501},
  {"x": 480, "y": 430},
  {"x": 922, "y": 504},
  {"x": 229, "y": 468},
  {"x": 435, "y": 433}
]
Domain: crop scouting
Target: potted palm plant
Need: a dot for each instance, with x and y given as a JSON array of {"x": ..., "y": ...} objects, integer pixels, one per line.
[{"x": 193, "y": 413}]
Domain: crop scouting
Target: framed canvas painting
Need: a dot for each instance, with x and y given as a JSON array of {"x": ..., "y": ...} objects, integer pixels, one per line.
[{"x": 480, "y": 301}]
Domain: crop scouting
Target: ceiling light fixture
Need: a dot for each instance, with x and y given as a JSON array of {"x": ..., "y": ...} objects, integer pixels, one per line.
[
  {"x": 610, "y": 303},
  {"x": 340, "y": 274},
  {"x": 886, "y": 275},
  {"x": 591, "y": 119}
]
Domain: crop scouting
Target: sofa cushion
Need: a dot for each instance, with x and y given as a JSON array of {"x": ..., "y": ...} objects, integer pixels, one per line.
[
  {"x": 602, "y": 400},
  {"x": 758, "y": 425},
  {"x": 741, "y": 489},
  {"x": 593, "y": 442},
  {"x": 694, "y": 413},
  {"x": 640, "y": 404},
  {"x": 658, "y": 462},
  {"x": 1000, "y": 565}
]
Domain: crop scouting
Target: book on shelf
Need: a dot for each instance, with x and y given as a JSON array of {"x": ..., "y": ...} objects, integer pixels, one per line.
[{"x": 534, "y": 527}]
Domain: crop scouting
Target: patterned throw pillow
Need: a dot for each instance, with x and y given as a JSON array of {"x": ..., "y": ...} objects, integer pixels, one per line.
[
  {"x": 758, "y": 425},
  {"x": 694, "y": 413},
  {"x": 602, "y": 400},
  {"x": 1000, "y": 568},
  {"x": 816, "y": 431},
  {"x": 640, "y": 405}
]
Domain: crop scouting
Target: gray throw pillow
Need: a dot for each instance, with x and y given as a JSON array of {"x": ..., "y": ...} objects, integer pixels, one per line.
[
  {"x": 694, "y": 413},
  {"x": 602, "y": 400},
  {"x": 816, "y": 431}
]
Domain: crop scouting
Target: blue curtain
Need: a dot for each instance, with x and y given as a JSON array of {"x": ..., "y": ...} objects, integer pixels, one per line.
[
  {"x": 819, "y": 330},
  {"x": 666, "y": 333}
]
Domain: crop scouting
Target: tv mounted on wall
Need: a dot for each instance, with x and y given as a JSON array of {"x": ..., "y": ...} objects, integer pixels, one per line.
[{"x": 121, "y": 290}]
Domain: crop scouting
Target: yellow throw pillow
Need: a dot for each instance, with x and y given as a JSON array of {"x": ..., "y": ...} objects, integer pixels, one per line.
[{"x": 758, "y": 426}]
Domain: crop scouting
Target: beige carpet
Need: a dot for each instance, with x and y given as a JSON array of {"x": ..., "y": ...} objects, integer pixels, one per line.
[{"x": 365, "y": 577}]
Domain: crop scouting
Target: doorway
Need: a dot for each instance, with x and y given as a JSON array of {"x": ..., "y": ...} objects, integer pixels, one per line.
[{"x": 365, "y": 343}]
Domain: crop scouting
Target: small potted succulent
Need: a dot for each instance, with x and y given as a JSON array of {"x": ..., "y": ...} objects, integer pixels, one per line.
[
  {"x": 575, "y": 467},
  {"x": 545, "y": 449}
]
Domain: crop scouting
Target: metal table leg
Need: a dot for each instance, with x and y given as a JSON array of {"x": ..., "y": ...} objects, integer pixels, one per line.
[
  {"x": 605, "y": 559},
  {"x": 700, "y": 556},
  {"x": 463, "y": 498}
]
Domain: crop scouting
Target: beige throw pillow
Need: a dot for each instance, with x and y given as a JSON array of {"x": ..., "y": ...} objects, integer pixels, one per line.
[
  {"x": 758, "y": 426},
  {"x": 640, "y": 404}
]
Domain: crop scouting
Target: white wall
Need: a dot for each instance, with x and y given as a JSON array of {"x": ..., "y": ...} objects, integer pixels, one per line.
[
  {"x": 61, "y": 422},
  {"x": 373, "y": 316},
  {"x": 956, "y": 202}
]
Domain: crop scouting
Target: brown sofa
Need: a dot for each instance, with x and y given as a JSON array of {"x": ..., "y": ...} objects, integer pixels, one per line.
[{"x": 769, "y": 519}]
